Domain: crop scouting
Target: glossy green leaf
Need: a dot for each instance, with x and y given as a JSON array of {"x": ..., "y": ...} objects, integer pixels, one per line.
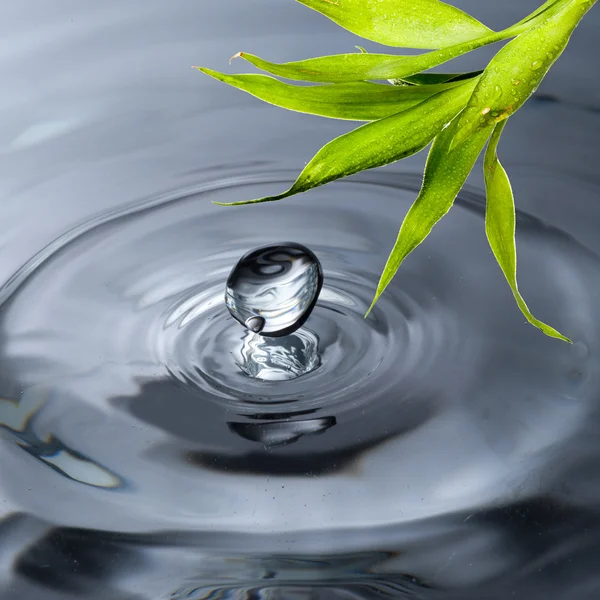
[
  {"x": 500, "y": 226},
  {"x": 445, "y": 173},
  {"x": 341, "y": 68},
  {"x": 338, "y": 68},
  {"x": 357, "y": 101},
  {"x": 379, "y": 143},
  {"x": 518, "y": 68},
  {"x": 361, "y": 66},
  {"x": 404, "y": 23}
]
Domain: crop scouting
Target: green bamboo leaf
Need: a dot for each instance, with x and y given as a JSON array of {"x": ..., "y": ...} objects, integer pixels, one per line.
[
  {"x": 404, "y": 23},
  {"x": 445, "y": 173},
  {"x": 342, "y": 68},
  {"x": 360, "y": 66},
  {"x": 378, "y": 143},
  {"x": 500, "y": 226},
  {"x": 518, "y": 68},
  {"x": 338, "y": 68},
  {"x": 356, "y": 101}
]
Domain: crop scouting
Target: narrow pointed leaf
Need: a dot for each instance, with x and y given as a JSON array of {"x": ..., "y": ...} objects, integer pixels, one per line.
[
  {"x": 500, "y": 226},
  {"x": 404, "y": 23},
  {"x": 445, "y": 173},
  {"x": 357, "y": 101},
  {"x": 378, "y": 143},
  {"x": 518, "y": 68},
  {"x": 358, "y": 66},
  {"x": 340, "y": 68}
]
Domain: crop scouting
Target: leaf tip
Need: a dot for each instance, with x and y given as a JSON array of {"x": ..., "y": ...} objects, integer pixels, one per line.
[
  {"x": 563, "y": 338},
  {"x": 236, "y": 55},
  {"x": 370, "y": 309},
  {"x": 556, "y": 335}
]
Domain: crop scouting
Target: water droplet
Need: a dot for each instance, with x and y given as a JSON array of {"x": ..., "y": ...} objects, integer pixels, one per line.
[
  {"x": 255, "y": 324},
  {"x": 536, "y": 64},
  {"x": 516, "y": 82},
  {"x": 273, "y": 289},
  {"x": 498, "y": 92}
]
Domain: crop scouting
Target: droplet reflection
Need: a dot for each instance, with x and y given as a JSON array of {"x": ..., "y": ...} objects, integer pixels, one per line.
[{"x": 281, "y": 433}]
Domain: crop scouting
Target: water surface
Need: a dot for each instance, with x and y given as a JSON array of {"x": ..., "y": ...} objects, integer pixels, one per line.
[{"x": 154, "y": 449}]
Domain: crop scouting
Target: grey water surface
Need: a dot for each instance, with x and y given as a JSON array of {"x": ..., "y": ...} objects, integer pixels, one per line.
[{"x": 154, "y": 449}]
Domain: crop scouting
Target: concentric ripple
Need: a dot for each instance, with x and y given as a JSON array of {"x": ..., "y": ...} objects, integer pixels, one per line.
[{"x": 121, "y": 350}]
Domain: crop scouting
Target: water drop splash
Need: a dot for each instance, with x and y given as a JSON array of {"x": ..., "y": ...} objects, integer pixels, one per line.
[
  {"x": 273, "y": 289},
  {"x": 280, "y": 359}
]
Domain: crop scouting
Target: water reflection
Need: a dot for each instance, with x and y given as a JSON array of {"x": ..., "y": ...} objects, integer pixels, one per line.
[
  {"x": 281, "y": 433},
  {"x": 522, "y": 549},
  {"x": 19, "y": 419}
]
